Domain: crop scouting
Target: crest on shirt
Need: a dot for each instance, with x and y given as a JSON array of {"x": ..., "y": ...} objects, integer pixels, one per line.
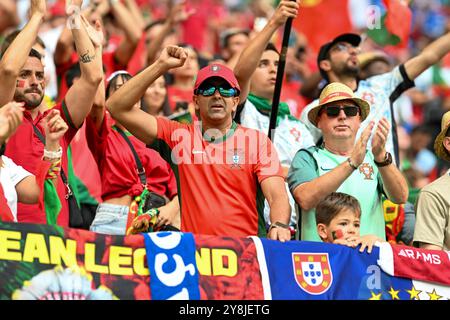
[
  {"x": 367, "y": 170},
  {"x": 312, "y": 272},
  {"x": 368, "y": 96},
  {"x": 237, "y": 159},
  {"x": 296, "y": 134}
]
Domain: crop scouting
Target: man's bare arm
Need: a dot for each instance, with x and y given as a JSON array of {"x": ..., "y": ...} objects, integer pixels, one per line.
[{"x": 121, "y": 104}]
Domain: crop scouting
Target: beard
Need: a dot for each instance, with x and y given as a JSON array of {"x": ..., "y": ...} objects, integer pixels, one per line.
[
  {"x": 351, "y": 71},
  {"x": 347, "y": 70},
  {"x": 30, "y": 103}
]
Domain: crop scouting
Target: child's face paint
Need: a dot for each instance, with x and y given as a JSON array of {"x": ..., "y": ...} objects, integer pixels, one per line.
[{"x": 337, "y": 234}]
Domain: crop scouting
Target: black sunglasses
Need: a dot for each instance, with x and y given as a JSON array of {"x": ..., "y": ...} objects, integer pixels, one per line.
[{"x": 333, "y": 111}]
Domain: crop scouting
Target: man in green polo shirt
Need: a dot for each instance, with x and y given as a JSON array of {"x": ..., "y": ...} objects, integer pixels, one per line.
[{"x": 343, "y": 165}]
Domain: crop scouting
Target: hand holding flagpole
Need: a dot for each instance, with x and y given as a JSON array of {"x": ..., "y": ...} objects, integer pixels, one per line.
[{"x": 284, "y": 10}]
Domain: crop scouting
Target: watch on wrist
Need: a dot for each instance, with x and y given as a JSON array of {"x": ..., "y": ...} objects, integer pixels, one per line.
[
  {"x": 278, "y": 224},
  {"x": 352, "y": 165},
  {"x": 387, "y": 160}
]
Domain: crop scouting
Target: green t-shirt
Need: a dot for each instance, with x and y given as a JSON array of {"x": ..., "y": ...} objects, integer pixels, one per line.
[{"x": 364, "y": 184}]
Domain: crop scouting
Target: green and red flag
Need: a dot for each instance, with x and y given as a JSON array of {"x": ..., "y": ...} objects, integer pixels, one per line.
[
  {"x": 50, "y": 199},
  {"x": 395, "y": 24}
]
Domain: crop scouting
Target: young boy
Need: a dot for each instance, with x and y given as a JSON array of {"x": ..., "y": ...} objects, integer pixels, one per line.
[{"x": 337, "y": 219}]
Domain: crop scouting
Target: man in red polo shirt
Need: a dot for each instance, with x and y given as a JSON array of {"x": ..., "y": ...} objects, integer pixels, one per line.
[
  {"x": 224, "y": 171},
  {"x": 22, "y": 74}
]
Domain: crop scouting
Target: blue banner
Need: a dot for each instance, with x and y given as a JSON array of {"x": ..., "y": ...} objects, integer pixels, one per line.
[{"x": 172, "y": 266}]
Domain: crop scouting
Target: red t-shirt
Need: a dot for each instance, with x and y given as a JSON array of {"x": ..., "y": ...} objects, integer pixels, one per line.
[
  {"x": 84, "y": 165},
  {"x": 219, "y": 182},
  {"x": 26, "y": 149},
  {"x": 117, "y": 164}
]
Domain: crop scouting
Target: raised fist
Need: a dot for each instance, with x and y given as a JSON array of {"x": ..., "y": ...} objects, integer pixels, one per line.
[{"x": 173, "y": 57}]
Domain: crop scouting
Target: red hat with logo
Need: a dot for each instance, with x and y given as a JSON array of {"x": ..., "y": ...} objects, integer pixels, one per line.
[{"x": 217, "y": 70}]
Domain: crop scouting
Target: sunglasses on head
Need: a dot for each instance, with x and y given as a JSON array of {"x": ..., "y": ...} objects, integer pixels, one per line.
[
  {"x": 333, "y": 111},
  {"x": 344, "y": 46},
  {"x": 210, "y": 90}
]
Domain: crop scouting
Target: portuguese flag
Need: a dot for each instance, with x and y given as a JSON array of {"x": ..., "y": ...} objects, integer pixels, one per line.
[
  {"x": 49, "y": 199},
  {"x": 395, "y": 24}
]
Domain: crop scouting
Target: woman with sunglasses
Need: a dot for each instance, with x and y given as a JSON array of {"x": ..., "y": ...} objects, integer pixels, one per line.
[
  {"x": 122, "y": 185},
  {"x": 343, "y": 164}
]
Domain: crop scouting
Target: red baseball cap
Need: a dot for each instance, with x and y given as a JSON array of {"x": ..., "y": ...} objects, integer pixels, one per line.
[{"x": 216, "y": 70}]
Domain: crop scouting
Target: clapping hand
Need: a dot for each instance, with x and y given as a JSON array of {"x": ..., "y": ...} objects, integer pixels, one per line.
[
  {"x": 359, "y": 150},
  {"x": 38, "y": 7},
  {"x": 77, "y": 3},
  {"x": 95, "y": 33},
  {"x": 55, "y": 127},
  {"x": 11, "y": 116},
  {"x": 379, "y": 140}
]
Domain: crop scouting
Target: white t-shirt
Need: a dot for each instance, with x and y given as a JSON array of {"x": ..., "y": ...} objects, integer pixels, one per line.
[
  {"x": 10, "y": 175},
  {"x": 290, "y": 136}
]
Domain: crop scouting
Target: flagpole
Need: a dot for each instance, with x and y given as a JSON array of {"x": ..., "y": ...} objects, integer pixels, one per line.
[{"x": 279, "y": 80}]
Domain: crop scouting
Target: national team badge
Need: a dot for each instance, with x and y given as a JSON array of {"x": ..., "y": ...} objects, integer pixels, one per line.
[
  {"x": 237, "y": 159},
  {"x": 312, "y": 272},
  {"x": 296, "y": 134},
  {"x": 368, "y": 96},
  {"x": 367, "y": 170}
]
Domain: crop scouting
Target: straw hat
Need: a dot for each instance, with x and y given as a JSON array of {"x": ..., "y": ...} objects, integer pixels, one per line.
[
  {"x": 439, "y": 148},
  {"x": 337, "y": 91}
]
